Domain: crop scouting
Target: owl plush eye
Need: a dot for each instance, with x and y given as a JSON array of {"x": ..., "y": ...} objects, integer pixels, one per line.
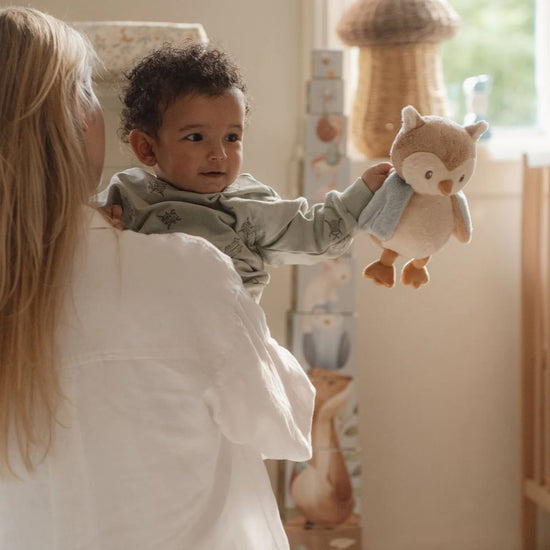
[{"x": 428, "y": 174}]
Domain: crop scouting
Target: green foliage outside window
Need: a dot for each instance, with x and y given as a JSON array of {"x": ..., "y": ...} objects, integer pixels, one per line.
[{"x": 497, "y": 38}]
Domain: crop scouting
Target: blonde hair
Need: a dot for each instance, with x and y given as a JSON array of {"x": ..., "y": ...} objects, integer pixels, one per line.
[{"x": 45, "y": 178}]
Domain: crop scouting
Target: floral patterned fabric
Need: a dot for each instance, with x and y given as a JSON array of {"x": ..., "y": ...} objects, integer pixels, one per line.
[{"x": 120, "y": 44}]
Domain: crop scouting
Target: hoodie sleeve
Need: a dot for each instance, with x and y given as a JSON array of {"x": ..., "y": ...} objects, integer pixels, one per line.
[{"x": 293, "y": 231}]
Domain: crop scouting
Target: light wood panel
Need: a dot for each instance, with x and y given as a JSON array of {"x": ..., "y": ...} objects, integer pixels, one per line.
[{"x": 535, "y": 383}]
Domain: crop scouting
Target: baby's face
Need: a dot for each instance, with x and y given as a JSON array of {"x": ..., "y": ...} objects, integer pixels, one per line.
[{"x": 199, "y": 146}]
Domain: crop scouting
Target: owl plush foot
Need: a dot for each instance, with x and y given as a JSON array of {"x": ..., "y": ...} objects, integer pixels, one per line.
[
  {"x": 381, "y": 274},
  {"x": 414, "y": 276}
]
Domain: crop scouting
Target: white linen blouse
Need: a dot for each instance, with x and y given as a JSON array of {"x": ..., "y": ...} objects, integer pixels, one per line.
[{"x": 175, "y": 391}]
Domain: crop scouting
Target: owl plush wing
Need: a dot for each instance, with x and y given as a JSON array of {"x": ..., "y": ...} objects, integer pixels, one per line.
[
  {"x": 462, "y": 220},
  {"x": 381, "y": 216}
]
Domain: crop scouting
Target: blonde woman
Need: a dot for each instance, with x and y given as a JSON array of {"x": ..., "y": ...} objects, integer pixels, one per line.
[{"x": 139, "y": 386}]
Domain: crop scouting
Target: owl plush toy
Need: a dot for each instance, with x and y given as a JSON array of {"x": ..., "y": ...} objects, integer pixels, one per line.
[{"x": 421, "y": 203}]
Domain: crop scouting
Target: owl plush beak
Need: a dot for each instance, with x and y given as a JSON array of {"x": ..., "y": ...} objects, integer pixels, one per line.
[{"x": 445, "y": 186}]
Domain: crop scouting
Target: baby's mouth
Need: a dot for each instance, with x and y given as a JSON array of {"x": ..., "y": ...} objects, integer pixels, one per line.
[{"x": 213, "y": 174}]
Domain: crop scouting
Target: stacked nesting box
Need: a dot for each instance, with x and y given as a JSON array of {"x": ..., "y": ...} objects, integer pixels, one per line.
[{"x": 321, "y": 497}]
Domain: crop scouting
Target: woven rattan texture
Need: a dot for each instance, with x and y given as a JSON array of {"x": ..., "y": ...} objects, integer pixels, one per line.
[
  {"x": 391, "y": 22},
  {"x": 391, "y": 78}
]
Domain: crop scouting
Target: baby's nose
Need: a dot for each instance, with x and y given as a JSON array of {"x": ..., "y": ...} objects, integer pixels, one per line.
[{"x": 218, "y": 152}]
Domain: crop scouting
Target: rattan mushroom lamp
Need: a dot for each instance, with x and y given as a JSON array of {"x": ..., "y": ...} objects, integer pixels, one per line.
[{"x": 399, "y": 64}]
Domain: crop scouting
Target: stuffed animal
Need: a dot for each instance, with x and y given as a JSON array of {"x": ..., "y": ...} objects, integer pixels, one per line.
[{"x": 421, "y": 203}]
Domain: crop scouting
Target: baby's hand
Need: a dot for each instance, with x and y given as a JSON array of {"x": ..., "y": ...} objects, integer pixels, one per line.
[
  {"x": 113, "y": 214},
  {"x": 375, "y": 175}
]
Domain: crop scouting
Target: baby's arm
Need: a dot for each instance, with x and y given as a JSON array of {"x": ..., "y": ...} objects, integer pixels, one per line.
[
  {"x": 375, "y": 175},
  {"x": 295, "y": 232}
]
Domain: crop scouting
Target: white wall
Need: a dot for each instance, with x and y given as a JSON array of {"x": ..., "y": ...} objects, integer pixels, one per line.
[
  {"x": 439, "y": 383},
  {"x": 438, "y": 378}
]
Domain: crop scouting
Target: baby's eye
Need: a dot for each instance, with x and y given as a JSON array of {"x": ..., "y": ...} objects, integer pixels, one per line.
[
  {"x": 428, "y": 174},
  {"x": 233, "y": 137},
  {"x": 461, "y": 178},
  {"x": 193, "y": 137}
]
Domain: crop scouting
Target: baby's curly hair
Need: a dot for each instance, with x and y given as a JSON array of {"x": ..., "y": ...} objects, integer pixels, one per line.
[{"x": 169, "y": 73}]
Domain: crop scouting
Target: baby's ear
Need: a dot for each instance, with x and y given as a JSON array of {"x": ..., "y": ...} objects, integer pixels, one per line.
[{"x": 142, "y": 145}]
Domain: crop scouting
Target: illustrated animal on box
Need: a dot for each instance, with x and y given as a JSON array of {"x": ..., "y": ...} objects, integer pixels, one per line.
[
  {"x": 322, "y": 491},
  {"x": 421, "y": 204},
  {"x": 327, "y": 343},
  {"x": 330, "y": 130},
  {"x": 321, "y": 291}
]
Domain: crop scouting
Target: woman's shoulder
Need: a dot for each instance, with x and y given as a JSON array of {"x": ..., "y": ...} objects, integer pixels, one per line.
[
  {"x": 180, "y": 250},
  {"x": 157, "y": 257},
  {"x": 137, "y": 291},
  {"x": 180, "y": 258}
]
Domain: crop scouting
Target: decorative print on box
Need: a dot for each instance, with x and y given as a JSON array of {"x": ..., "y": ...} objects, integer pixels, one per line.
[
  {"x": 326, "y": 135},
  {"x": 335, "y": 421},
  {"x": 326, "y": 95},
  {"x": 327, "y": 64},
  {"x": 120, "y": 43},
  {"x": 325, "y": 491},
  {"x": 322, "y": 176},
  {"x": 344, "y": 537},
  {"x": 320, "y": 498},
  {"x": 324, "y": 340},
  {"x": 327, "y": 287}
]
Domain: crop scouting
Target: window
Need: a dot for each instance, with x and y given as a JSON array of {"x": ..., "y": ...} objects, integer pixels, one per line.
[
  {"x": 505, "y": 39},
  {"x": 496, "y": 39}
]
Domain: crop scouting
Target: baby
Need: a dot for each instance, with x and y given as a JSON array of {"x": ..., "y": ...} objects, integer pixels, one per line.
[{"x": 184, "y": 116}]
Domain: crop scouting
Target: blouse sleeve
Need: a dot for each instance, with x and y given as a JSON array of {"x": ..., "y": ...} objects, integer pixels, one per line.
[{"x": 261, "y": 396}]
